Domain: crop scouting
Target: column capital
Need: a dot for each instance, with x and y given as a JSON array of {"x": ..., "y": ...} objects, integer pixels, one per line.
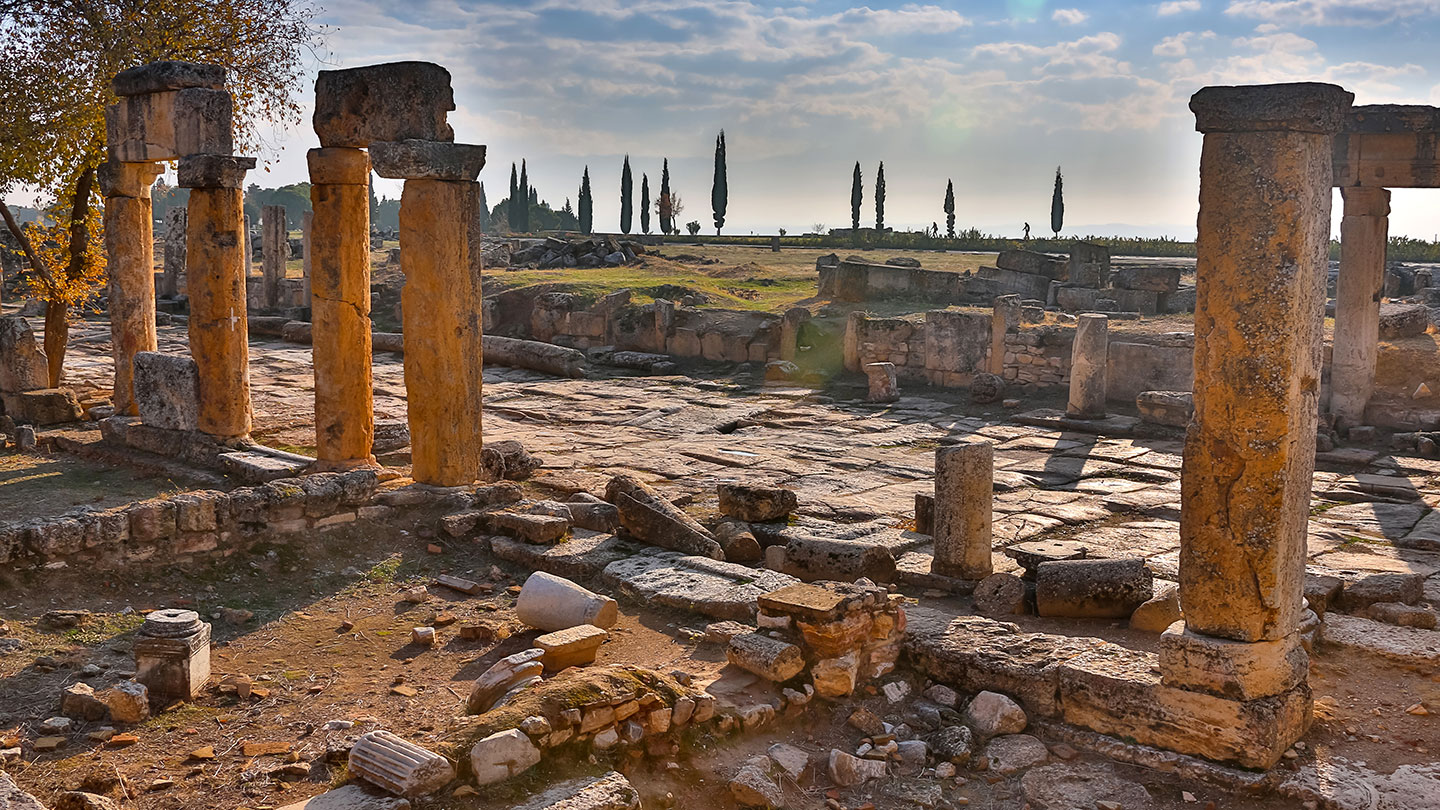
[
  {"x": 119, "y": 179},
  {"x": 1298, "y": 107},
  {"x": 213, "y": 171},
  {"x": 338, "y": 166},
  {"x": 1366, "y": 201},
  {"x": 427, "y": 160}
]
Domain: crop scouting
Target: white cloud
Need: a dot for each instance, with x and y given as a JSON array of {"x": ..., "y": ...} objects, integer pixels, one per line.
[
  {"x": 1069, "y": 16},
  {"x": 908, "y": 19},
  {"x": 1174, "y": 7},
  {"x": 1332, "y": 12},
  {"x": 1172, "y": 47}
]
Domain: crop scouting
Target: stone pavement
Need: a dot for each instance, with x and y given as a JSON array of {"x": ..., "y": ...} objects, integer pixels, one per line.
[{"x": 854, "y": 461}]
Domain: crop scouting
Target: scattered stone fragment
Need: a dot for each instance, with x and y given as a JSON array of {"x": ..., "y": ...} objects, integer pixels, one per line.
[
  {"x": 866, "y": 722},
  {"x": 942, "y": 695},
  {"x": 1401, "y": 615},
  {"x": 652, "y": 519},
  {"x": 423, "y": 636},
  {"x": 80, "y": 800},
  {"x": 753, "y": 787},
  {"x": 1403, "y": 588},
  {"x": 991, "y": 714},
  {"x": 571, "y": 647},
  {"x": 79, "y": 701},
  {"x": 737, "y": 541},
  {"x": 399, "y": 766},
  {"x": 1000, "y": 595},
  {"x": 502, "y": 755},
  {"x": 506, "y": 460},
  {"x": 771, "y": 659},
  {"x": 504, "y": 676},
  {"x": 13, "y": 798},
  {"x": 351, "y": 797},
  {"x": 1065, "y": 786},
  {"x": 459, "y": 584},
  {"x": 1161, "y": 611},
  {"x": 794, "y": 761},
  {"x": 129, "y": 702},
  {"x": 754, "y": 504},
  {"x": 1092, "y": 588},
  {"x": 548, "y": 602},
  {"x": 847, "y": 770},
  {"x": 1013, "y": 753}
]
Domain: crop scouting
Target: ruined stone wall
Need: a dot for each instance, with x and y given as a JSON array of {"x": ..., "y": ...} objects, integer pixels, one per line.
[
  {"x": 181, "y": 528},
  {"x": 1038, "y": 356}
]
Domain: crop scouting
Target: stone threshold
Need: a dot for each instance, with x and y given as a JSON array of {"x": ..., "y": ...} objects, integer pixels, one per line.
[{"x": 247, "y": 462}]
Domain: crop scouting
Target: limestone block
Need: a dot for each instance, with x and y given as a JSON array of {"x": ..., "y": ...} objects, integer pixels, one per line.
[
  {"x": 1088, "y": 367},
  {"x": 119, "y": 179},
  {"x": 543, "y": 529},
  {"x": 170, "y": 125},
  {"x": 128, "y": 701},
  {"x": 571, "y": 647},
  {"x": 1092, "y": 588},
  {"x": 816, "y": 558},
  {"x": 548, "y": 602},
  {"x": 1029, "y": 261},
  {"x": 389, "y": 102},
  {"x": 836, "y": 677},
  {"x": 609, "y": 792},
  {"x": 1301, "y": 107},
  {"x": 427, "y": 160},
  {"x": 991, "y": 713},
  {"x": 883, "y": 385},
  {"x": 651, "y": 518},
  {"x": 13, "y": 798},
  {"x": 23, "y": 365},
  {"x": 1238, "y": 670},
  {"x": 49, "y": 406},
  {"x": 753, "y": 787},
  {"x": 771, "y": 659},
  {"x": 1155, "y": 278},
  {"x": 1160, "y": 612},
  {"x": 756, "y": 504},
  {"x": 157, "y": 77},
  {"x": 167, "y": 390},
  {"x": 1403, "y": 320},
  {"x": 1171, "y": 408},
  {"x": 502, "y": 755},
  {"x": 351, "y": 797},
  {"x": 397, "y": 765},
  {"x": 78, "y": 701}
]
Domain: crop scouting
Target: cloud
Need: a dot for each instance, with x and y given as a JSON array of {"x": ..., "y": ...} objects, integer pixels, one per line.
[
  {"x": 1172, "y": 47},
  {"x": 1332, "y": 12},
  {"x": 1173, "y": 7},
  {"x": 909, "y": 19},
  {"x": 1069, "y": 16}
]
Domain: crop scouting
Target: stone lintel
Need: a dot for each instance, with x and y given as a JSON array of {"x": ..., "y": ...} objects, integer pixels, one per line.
[
  {"x": 338, "y": 166},
  {"x": 389, "y": 102},
  {"x": 119, "y": 179},
  {"x": 213, "y": 171},
  {"x": 160, "y": 76},
  {"x": 1386, "y": 118},
  {"x": 170, "y": 125},
  {"x": 1366, "y": 201},
  {"x": 427, "y": 160},
  {"x": 1238, "y": 670},
  {"x": 1297, "y": 107}
]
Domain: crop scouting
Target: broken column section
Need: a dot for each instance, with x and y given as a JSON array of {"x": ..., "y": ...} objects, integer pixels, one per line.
[
  {"x": 1265, "y": 179},
  {"x": 1088, "y": 361},
  {"x": 274, "y": 253},
  {"x": 1363, "y": 235},
  {"x": 964, "y": 489}
]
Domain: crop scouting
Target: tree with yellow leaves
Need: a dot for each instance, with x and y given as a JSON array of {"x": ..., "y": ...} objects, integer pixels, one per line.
[{"x": 57, "y": 58}]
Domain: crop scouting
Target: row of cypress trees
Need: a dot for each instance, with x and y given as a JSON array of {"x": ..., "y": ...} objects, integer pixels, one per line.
[{"x": 857, "y": 194}]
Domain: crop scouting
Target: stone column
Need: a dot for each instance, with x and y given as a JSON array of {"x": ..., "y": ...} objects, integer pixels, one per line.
[
  {"x": 130, "y": 261},
  {"x": 1088, "y": 361},
  {"x": 964, "y": 491},
  {"x": 215, "y": 275},
  {"x": 307, "y": 219},
  {"x": 1005, "y": 318},
  {"x": 274, "y": 252},
  {"x": 340, "y": 307},
  {"x": 1364, "y": 231},
  {"x": 174, "y": 252},
  {"x": 441, "y": 302},
  {"x": 790, "y": 326},
  {"x": 1264, "y": 230}
]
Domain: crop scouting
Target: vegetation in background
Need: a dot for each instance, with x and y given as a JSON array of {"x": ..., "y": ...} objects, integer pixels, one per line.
[
  {"x": 586, "y": 204},
  {"x": 665, "y": 205},
  {"x": 627, "y": 196},
  {"x": 1057, "y": 205},
  {"x": 950, "y": 209},
  {"x": 720, "y": 189},
  {"x": 880, "y": 198},
  {"x": 526, "y": 199},
  {"x": 857, "y": 196},
  {"x": 645, "y": 203}
]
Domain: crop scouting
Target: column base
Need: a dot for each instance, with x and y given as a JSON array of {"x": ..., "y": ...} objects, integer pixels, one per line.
[
  {"x": 1238, "y": 670},
  {"x": 345, "y": 465}
]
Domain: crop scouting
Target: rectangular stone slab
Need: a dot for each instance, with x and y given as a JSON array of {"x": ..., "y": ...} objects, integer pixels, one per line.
[
  {"x": 710, "y": 587},
  {"x": 170, "y": 125},
  {"x": 390, "y": 102}
]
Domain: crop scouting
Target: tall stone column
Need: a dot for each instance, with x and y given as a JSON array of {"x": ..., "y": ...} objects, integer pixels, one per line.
[
  {"x": 274, "y": 252},
  {"x": 215, "y": 274},
  {"x": 130, "y": 261},
  {"x": 174, "y": 252},
  {"x": 964, "y": 493},
  {"x": 340, "y": 306},
  {"x": 1364, "y": 231},
  {"x": 307, "y": 221},
  {"x": 1004, "y": 318},
  {"x": 1089, "y": 359},
  {"x": 1264, "y": 229},
  {"x": 441, "y": 302}
]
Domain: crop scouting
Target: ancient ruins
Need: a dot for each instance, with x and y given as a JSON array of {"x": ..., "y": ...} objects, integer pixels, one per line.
[{"x": 1019, "y": 551}]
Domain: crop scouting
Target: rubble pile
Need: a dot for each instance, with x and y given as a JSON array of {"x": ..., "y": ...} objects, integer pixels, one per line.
[{"x": 552, "y": 252}]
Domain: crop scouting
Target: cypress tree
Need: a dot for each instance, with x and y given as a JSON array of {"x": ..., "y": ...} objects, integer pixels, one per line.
[
  {"x": 645, "y": 203},
  {"x": 512, "y": 214},
  {"x": 667, "y": 226},
  {"x": 484, "y": 211},
  {"x": 880, "y": 198},
  {"x": 586, "y": 205},
  {"x": 523, "y": 205},
  {"x": 950, "y": 208},
  {"x": 1057, "y": 204},
  {"x": 720, "y": 190},
  {"x": 857, "y": 196},
  {"x": 627, "y": 192}
]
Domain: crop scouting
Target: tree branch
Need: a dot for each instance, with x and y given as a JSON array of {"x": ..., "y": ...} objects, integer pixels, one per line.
[{"x": 35, "y": 263}]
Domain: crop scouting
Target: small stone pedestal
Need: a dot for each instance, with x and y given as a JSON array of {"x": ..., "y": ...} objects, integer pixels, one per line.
[{"x": 172, "y": 654}]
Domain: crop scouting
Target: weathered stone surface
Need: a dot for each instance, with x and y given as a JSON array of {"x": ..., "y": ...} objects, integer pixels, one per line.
[
  {"x": 964, "y": 486},
  {"x": 1404, "y": 588},
  {"x": 535, "y": 355},
  {"x": 213, "y": 171},
  {"x": 49, "y": 406},
  {"x": 651, "y": 518},
  {"x": 719, "y": 589},
  {"x": 1409, "y": 646},
  {"x": 755, "y": 504},
  {"x": 169, "y": 124},
  {"x": 817, "y": 558},
  {"x": 1068, "y": 785},
  {"x": 1029, "y": 261},
  {"x": 991, "y": 713},
  {"x": 157, "y": 77},
  {"x": 846, "y": 770},
  {"x": 579, "y": 558},
  {"x": 1092, "y": 588},
  {"x": 1155, "y": 278},
  {"x": 954, "y": 744},
  {"x": 1358, "y": 289},
  {"x": 753, "y": 787},
  {"x": 79, "y": 702},
  {"x": 884, "y": 386},
  {"x": 351, "y": 797},
  {"x": 390, "y": 102},
  {"x": 167, "y": 391},
  {"x": 219, "y": 338},
  {"x": 444, "y": 349},
  {"x": 1403, "y": 320},
  {"x": 1000, "y": 595},
  {"x": 398, "y": 765},
  {"x": 507, "y": 460},
  {"x": 543, "y": 529},
  {"x": 427, "y": 160},
  {"x": 130, "y": 262},
  {"x": 1402, "y": 615},
  {"x": 1302, "y": 107},
  {"x": 611, "y": 791},
  {"x": 80, "y": 800},
  {"x": 23, "y": 366},
  {"x": 13, "y": 798},
  {"x": 737, "y": 541},
  {"x": 1012, "y": 753},
  {"x": 548, "y": 602},
  {"x": 771, "y": 659},
  {"x": 502, "y": 755},
  {"x": 129, "y": 702},
  {"x": 1161, "y": 611},
  {"x": 1088, "y": 367},
  {"x": 1172, "y": 408}
]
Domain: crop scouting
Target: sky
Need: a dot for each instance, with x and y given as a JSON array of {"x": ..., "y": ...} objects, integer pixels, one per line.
[{"x": 992, "y": 95}]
